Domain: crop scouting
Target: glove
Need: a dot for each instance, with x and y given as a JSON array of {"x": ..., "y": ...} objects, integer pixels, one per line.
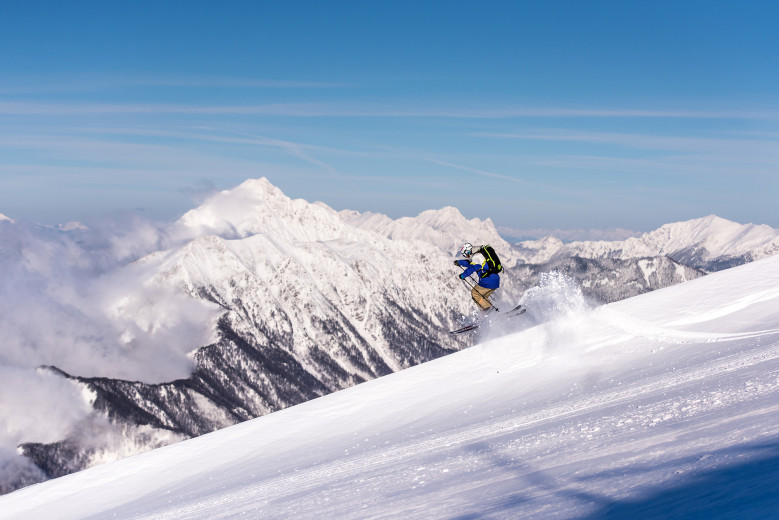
[
  {"x": 457, "y": 263},
  {"x": 461, "y": 277}
]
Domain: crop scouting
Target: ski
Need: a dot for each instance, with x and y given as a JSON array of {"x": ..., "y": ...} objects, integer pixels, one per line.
[
  {"x": 516, "y": 311},
  {"x": 469, "y": 327}
]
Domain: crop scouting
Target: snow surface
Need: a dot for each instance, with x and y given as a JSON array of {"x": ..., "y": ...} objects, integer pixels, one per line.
[{"x": 664, "y": 405}]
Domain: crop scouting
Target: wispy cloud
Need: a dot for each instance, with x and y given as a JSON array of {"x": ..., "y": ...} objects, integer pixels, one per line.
[
  {"x": 629, "y": 140},
  {"x": 294, "y": 149},
  {"x": 476, "y": 171},
  {"x": 397, "y": 110},
  {"x": 701, "y": 164},
  {"x": 537, "y": 186},
  {"x": 212, "y": 81},
  {"x": 755, "y": 155},
  {"x": 78, "y": 301},
  {"x": 39, "y": 85},
  {"x": 162, "y": 153},
  {"x": 226, "y": 136}
]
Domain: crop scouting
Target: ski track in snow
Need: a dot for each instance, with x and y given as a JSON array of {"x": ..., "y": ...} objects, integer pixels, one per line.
[
  {"x": 741, "y": 303},
  {"x": 516, "y": 433},
  {"x": 667, "y": 334}
]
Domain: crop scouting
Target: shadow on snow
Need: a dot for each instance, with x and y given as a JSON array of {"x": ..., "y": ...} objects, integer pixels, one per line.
[{"x": 745, "y": 490}]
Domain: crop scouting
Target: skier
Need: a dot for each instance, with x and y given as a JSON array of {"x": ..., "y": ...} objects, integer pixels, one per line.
[{"x": 487, "y": 267}]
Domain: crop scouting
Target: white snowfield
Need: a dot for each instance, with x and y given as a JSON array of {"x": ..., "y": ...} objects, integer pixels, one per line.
[{"x": 662, "y": 406}]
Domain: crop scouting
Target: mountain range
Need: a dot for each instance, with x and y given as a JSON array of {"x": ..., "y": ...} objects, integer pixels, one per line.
[
  {"x": 310, "y": 300},
  {"x": 710, "y": 244},
  {"x": 658, "y": 406}
]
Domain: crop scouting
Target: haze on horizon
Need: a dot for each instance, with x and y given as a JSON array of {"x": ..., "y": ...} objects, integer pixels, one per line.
[{"x": 587, "y": 119}]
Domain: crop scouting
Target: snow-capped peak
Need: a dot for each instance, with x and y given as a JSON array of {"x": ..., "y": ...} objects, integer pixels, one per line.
[
  {"x": 368, "y": 220},
  {"x": 706, "y": 243},
  {"x": 4, "y": 218},
  {"x": 445, "y": 228},
  {"x": 541, "y": 250},
  {"x": 257, "y": 206},
  {"x": 441, "y": 217},
  {"x": 72, "y": 226},
  {"x": 233, "y": 209},
  {"x": 715, "y": 234}
]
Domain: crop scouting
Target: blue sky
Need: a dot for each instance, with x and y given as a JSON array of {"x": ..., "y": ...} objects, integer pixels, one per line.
[{"x": 540, "y": 115}]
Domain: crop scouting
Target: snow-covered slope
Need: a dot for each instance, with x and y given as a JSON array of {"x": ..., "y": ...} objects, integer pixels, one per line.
[
  {"x": 663, "y": 405},
  {"x": 709, "y": 243}
]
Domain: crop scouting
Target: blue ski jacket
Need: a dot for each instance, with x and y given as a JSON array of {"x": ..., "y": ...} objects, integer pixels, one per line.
[{"x": 488, "y": 282}]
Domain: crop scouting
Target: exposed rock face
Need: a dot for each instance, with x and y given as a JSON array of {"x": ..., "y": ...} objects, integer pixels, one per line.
[{"x": 608, "y": 280}]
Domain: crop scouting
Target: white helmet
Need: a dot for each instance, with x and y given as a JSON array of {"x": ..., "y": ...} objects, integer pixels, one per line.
[{"x": 466, "y": 250}]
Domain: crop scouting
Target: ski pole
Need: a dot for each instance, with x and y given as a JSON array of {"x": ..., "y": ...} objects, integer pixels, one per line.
[
  {"x": 472, "y": 286},
  {"x": 468, "y": 282}
]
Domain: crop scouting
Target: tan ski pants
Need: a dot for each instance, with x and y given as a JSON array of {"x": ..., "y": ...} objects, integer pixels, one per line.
[{"x": 480, "y": 295}]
